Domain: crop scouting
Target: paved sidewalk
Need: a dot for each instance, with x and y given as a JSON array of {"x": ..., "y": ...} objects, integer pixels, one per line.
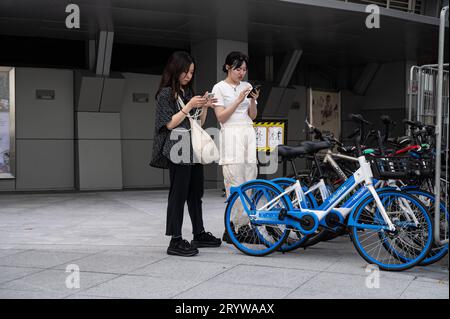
[{"x": 117, "y": 241}]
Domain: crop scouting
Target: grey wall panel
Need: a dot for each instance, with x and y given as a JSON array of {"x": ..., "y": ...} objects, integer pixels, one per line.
[
  {"x": 138, "y": 119},
  {"x": 93, "y": 125},
  {"x": 112, "y": 94},
  {"x": 88, "y": 91},
  {"x": 296, "y": 125},
  {"x": 7, "y": 185},
  {"x": 286, "y": 101},
  {"x": 319, "y": 81},
  {"x": 296, "y": 117},
  {"x": 44, "y": 118},
  {"x": 100, "y": 164},
  {"x": 350, "y": 103},
  {"x": 45, "y": 164},
  {"x": 385, "y": 95},
  {"x": 365, "y": 78},
  {"x": 136, "y": 172},
  {"x": 387, "y": 90},
  {"x": 273, "y": 102}
]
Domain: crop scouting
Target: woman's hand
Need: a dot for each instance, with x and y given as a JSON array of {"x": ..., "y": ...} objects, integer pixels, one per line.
[
  {"x": 244, "y": 94},
  {"x": 254, "y": 96},
  {"x": 209, "y": 102},
  {"x": 196, "y": 102}
]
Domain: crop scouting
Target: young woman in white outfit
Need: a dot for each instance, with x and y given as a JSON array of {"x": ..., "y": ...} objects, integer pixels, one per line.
[{"x": 236, "y": 108}]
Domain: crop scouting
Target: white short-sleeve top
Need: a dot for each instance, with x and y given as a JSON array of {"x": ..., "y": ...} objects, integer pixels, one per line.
[{"x": 227, "y": 94}]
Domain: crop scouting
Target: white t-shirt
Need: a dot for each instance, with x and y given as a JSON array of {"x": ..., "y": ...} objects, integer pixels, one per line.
[{"x": 227, "y": 94}]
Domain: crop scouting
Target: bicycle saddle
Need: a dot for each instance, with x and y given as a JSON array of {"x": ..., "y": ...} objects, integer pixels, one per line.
[
  {"x": 291, "y": 151},
  {"x": 315, "y": 146}
]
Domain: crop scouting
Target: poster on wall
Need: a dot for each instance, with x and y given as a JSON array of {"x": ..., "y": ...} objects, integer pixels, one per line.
[
  {"x": 6, "y": 123},
  {"x": 325, "y": 111},
  {"x": 276, "y": 136},
  {"x": 261, "y": 137},
  {"x": 269, "y": 135}
]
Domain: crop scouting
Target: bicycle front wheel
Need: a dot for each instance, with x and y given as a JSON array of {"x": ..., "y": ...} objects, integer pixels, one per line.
[
  {"x": 396, "y": 250},
  {"x": 246, "y": 234}
]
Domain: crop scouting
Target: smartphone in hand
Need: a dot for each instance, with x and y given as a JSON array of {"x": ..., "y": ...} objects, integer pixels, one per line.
[
  {"x": 209, "y": 96},
  {"x": 256, "y": 88}
]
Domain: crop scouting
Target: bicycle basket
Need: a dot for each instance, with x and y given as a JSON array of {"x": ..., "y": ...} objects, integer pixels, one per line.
[{"x": 400, "y": 167}]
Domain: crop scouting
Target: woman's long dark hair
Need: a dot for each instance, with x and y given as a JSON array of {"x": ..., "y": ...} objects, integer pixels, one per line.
[{"x": 178, "y": 63}]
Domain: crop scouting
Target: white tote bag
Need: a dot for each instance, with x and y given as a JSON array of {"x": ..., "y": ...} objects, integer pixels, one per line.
[{"x": 203, "y": 146}]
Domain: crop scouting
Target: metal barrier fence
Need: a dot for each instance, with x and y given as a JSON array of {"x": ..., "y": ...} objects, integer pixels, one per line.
[
  {"x": 429, "y": 104},
  {"x": 412, "y": 6},
  {"x": 423, "y": 95}
]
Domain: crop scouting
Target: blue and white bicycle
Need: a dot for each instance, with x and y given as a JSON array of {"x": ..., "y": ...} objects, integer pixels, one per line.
[
  {"x": 383, "y": 166},
  {"x": 389, "y": 228}
]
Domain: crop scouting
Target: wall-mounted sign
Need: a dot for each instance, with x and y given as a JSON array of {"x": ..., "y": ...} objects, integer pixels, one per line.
[
  {"x": 269, "y": 135},
  {"x": 7, "y": 123}
]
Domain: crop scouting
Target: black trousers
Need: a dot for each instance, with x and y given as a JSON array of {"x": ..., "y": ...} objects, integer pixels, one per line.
[{"x": 186, "y": 184}]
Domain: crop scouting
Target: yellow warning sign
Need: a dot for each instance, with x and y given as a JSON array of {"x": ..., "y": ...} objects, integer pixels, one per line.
[{"x": 269, "y": 135}]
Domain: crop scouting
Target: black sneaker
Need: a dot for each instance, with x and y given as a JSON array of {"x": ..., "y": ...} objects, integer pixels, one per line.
[
  {"x": 226, "y": 238},
  {"x": 205, "y": 239},
  {"x": 181, "y": 247}
]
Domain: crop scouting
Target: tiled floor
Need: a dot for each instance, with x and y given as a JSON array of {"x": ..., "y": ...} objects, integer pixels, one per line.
[{"x": 116, "y": 240}]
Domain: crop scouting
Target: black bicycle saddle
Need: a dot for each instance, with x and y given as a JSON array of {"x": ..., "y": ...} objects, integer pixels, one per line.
[
  {"x": 315, "y": 146},
  {"x": 291, "y": 151}
]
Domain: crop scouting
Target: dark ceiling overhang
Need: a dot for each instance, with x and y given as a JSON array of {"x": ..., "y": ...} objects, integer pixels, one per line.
[{"x": 331, "y": 32}]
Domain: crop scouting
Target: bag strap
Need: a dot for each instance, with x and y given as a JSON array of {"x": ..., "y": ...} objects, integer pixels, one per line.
[
  {"x": 191, "y": 118},
  {"x": 197, "y": 113}
]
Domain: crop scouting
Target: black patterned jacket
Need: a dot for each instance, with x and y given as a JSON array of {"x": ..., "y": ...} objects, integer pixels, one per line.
[{"x": 162, "y": 143}]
